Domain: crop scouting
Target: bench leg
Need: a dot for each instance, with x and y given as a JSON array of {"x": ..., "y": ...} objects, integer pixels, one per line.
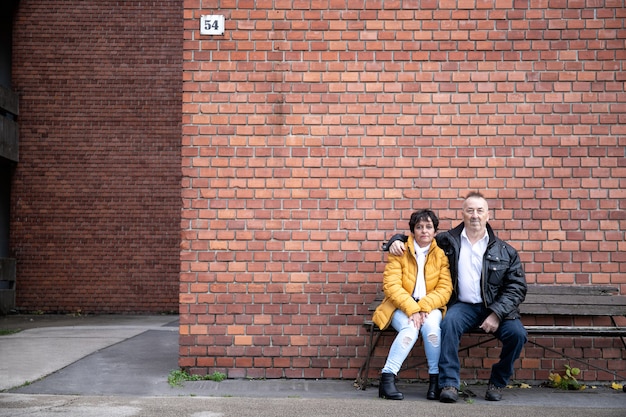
[
  {"x": 361, "y": 379},
  {"x": 620, "y": 337},
  {"x": 477, "y": 344}
]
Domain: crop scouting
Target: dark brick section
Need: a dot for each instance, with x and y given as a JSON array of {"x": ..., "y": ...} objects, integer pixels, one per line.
[{"x": 96, "y": 195}]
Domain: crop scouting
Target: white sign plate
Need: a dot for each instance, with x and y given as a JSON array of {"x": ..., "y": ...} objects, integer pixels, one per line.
[{"x": 212, "y": 25}]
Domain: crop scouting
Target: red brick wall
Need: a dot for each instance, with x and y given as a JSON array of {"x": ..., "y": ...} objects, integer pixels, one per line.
[
  {"x": 95, "y": 223},
  {"x": 312, "y": 129}
]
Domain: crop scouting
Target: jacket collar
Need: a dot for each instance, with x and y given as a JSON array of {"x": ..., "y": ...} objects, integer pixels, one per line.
[{"x": 411, "y": 245}]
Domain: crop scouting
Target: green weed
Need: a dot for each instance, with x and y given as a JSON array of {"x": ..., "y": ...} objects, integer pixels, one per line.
[
  {"x": 177, "y": 377},
  {"x": 568, "y": 381}
]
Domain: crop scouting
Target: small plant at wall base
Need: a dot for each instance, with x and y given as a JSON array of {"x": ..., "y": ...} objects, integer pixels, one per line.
[
  {"x": 177, "y": 377},
  {"x": 568, "y": 381}
]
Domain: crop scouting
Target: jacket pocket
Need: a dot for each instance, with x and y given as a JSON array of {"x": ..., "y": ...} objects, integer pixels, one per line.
[{"x": 495, "y": 272}]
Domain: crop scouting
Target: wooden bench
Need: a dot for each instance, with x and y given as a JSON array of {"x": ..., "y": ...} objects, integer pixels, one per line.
[{"x": 544, "y": 303}]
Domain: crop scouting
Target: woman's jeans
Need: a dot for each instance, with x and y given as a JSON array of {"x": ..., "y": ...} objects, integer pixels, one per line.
[
  {"x": 462, "y": 317},
  {"x": 408, "y": 335}
]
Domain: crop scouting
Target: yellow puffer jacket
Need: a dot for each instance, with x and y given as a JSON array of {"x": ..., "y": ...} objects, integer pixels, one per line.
[{"x": 399, "y": 282}]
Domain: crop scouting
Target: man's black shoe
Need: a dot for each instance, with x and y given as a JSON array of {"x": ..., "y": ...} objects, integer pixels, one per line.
[
  {"x": 493, "y": 393},
  {"x": 449, "y": 395}
]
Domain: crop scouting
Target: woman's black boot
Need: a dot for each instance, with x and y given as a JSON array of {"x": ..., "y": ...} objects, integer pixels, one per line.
[
  {"x": 387, "y": 387},
  {"x": 433, "y": 387}
]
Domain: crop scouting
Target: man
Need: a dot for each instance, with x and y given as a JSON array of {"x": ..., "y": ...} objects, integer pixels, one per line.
[{"x": 489, "y": 284}]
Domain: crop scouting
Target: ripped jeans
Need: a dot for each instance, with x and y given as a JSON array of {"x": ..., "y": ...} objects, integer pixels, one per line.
[{"x": 408, "y": 335}]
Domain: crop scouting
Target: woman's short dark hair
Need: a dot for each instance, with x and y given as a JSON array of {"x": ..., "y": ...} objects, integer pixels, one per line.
[{"x": 423, "y": 215}]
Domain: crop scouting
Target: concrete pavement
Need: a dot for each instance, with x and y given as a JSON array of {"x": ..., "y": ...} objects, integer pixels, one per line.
[
  {"x": 47, "y": 344},
  {"x": 118, "y": 366}
]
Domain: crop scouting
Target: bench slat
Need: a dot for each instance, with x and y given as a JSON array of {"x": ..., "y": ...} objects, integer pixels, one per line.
[
  {"x": 576, "y": 331},
  {"x": 535, "y": 306},
  {"x": 567, "y": 300},
  {"x": 571, "y": 289},
  {"x": 572, "y": 310},
  {"x": 576, "y": 299},
  {"x": 552, "y": 330}
]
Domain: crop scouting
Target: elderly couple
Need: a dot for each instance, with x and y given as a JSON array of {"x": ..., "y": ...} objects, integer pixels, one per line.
[{"x": 441, "y": 288}]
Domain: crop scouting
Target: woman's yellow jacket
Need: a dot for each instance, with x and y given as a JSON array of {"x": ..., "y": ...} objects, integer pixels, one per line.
[{"x": 399, "y": 283}]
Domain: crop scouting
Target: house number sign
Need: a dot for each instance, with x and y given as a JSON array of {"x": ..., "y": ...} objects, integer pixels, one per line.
[{"x": 212, "y": 25}]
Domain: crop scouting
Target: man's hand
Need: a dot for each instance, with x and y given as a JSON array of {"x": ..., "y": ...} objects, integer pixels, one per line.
[
  {"x": 491, "y": 323},
  {"x": 397, "y": 248}
]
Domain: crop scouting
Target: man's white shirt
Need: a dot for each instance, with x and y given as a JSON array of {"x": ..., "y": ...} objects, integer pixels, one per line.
[{"x": 470, "y": 268}]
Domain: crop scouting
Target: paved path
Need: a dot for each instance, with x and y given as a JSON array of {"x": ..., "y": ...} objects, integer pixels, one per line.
[{"x": 118, "y": 366}]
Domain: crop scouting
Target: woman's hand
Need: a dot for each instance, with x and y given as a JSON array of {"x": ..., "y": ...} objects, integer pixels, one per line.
[{"x": 418, "y": 319}]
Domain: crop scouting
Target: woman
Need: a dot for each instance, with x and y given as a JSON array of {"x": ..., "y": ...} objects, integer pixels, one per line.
[{"x": 417, "y": 287}]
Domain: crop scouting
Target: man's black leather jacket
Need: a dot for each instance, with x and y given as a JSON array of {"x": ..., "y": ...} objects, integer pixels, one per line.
[{"x": 503, "y": 281}]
